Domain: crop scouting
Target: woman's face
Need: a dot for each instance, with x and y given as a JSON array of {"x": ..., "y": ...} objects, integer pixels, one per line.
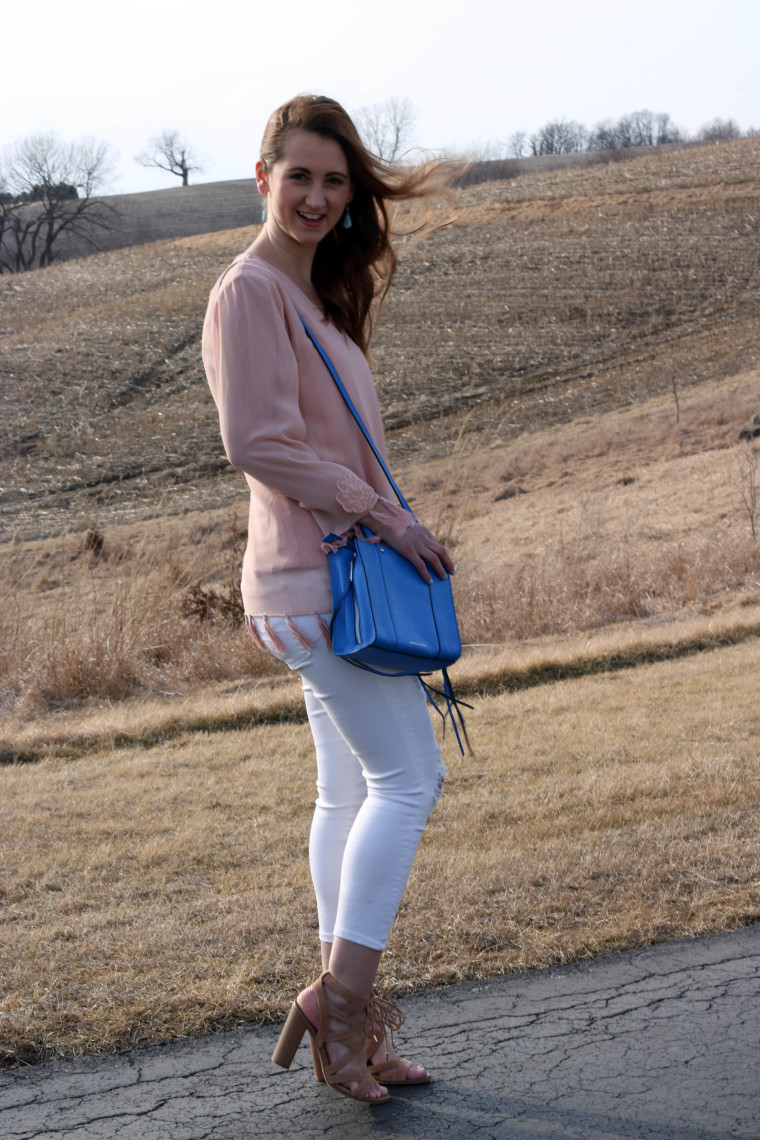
[{"x": 308, "y": 188}]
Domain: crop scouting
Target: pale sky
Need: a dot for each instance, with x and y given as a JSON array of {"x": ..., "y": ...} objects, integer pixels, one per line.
[{"x": 476, "y": 71}]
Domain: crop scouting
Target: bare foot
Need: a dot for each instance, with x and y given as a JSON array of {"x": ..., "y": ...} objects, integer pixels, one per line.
[{"x": 350, "y": 1077}]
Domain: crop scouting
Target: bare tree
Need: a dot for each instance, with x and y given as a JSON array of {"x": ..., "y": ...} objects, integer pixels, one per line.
[
  {"x": 644, "y": 127},
  {"x": 674, "y": 386},
  {"x": 603, "y": 136},
  {"x": 667, "y": 131},
  {"x": 169, "y": 151},
  {"x": 517, "y": 144},
  {"x": 720, "y": 130},
  {"x": 626, "y": 131},
  {"x": 387, "y": 128},
  {"x": 48, "y": 192},
  {"x": 747, "y": 482},
  {"x": 562, "y": 136},
  {"x": 641, "y": 128},
  {"x": 485, "y": 150}
]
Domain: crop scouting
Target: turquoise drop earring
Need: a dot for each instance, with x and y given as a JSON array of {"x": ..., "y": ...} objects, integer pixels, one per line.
[
  {"x": 347, "y": 223},
  {"x": 263, "y": 214}
]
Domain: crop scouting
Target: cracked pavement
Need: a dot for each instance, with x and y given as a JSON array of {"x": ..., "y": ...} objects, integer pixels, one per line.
[{"x": 662, "y": 1042}]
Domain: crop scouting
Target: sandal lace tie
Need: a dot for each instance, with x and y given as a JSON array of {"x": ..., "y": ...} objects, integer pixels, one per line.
[{"x": 385, "y": 1015}]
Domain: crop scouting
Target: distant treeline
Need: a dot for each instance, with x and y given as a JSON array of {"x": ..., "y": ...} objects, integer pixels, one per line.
[
  {"x": 640, "y": 128},
  {"x": 562, "y": 142},
  {"x": 36, "y": 193}
]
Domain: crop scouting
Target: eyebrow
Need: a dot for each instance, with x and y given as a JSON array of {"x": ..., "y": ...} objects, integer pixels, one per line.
[{"x": 306, "y": 170}]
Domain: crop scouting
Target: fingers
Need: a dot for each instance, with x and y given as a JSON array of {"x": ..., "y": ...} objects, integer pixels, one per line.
[
  {"x": 437, "y": 555},
  {"x": 447, "y": 560},
  {"x": 426, "y": 553},
  {"x": 433, "y": 560},
  {"x": 418, "y": 546}
]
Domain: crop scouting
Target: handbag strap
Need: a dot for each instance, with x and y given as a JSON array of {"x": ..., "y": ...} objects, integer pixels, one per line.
[{"x": 352, "y": 409}]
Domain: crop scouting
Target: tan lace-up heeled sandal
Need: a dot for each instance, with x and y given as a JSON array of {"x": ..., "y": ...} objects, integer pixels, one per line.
[
  {"x": 351, "y": 1066},
  {"x": 384, "y": 1016}
]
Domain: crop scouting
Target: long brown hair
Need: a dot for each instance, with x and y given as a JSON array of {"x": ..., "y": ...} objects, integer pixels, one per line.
[{"x": 354, "y": 267}]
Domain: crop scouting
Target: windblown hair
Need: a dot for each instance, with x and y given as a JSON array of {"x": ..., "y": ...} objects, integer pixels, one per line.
[{"x": 353, "y": 268}]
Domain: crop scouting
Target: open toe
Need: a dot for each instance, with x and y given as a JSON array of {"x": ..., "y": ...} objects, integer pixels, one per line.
[{"x": 383, "y": 1062}]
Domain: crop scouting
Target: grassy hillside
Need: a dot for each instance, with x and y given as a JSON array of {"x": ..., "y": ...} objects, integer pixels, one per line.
[
  {"x": 569, "y": 362},
  {"x": 208, "y": 207},
  {"x": 557, "y": 294}
]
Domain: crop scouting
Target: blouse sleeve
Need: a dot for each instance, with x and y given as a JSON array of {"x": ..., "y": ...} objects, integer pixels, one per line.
[{"x": 253, "y": 375}]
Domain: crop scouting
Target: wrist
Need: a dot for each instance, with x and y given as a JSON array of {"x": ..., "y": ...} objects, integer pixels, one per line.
[{"x": 388, "y": 519}]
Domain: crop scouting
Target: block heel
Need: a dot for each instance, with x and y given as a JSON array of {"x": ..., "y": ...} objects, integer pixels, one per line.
[
  {"x": 290, "y": 1038},
  {"x": 342, "y": 1021},
  {"x": 318, "y": 1074}
]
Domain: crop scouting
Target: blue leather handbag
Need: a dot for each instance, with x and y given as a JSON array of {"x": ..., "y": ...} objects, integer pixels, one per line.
[{"x": 386, "y": 618}]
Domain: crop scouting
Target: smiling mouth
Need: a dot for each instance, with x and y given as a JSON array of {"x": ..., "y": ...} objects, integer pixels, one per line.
[{"x": 310, "y": 217}]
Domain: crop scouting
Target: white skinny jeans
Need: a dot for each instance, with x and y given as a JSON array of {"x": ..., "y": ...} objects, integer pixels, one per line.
[{"x": 379, "y": 775}]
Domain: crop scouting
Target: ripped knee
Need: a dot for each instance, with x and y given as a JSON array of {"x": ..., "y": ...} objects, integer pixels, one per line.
[{"x": 440, "y": 779}]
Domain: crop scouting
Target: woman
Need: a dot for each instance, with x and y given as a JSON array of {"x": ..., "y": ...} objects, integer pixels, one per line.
[{"x": 324, "y": 254}]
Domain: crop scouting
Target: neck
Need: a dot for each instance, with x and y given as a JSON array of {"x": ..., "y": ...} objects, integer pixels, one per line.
[{"x": 293, "y": 260}]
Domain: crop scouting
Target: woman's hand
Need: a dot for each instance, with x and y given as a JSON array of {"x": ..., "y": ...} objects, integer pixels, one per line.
[{"x": 416, "y": 544}]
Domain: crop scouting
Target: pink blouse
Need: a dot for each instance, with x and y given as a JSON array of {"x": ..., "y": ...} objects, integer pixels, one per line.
[{"x": 285, "y": 425}]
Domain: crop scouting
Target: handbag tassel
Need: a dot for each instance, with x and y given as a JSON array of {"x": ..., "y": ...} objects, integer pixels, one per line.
[{"x": 453, "y": 706}]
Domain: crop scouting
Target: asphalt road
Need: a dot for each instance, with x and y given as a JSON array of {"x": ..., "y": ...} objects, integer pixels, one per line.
[{"x": 660, "y": 1043}]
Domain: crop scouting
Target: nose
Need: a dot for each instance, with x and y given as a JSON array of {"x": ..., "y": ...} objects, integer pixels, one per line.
[{"x": 316, "y": 196}]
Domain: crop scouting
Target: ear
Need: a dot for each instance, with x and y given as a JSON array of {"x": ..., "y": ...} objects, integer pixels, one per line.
[{"x": 262, "y": 181}]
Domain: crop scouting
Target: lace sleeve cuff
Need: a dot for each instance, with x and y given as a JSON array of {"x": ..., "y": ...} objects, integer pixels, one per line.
[
  {"x": 354, "y": 495},
  {"x": 392, "y": 515}
]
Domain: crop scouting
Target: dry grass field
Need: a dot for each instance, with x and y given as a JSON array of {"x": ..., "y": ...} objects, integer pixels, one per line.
[
  {"x": 156, "y": 891},
  {"x": 618, "y": 521},
  {"x": 564, "y": 373}
]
